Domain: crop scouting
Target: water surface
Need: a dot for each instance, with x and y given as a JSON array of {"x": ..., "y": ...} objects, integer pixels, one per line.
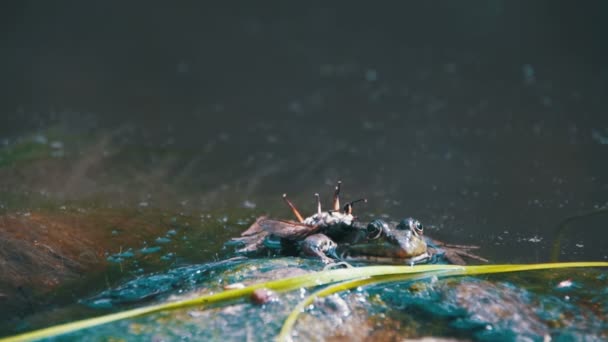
[{"x": 148, "y": 136}]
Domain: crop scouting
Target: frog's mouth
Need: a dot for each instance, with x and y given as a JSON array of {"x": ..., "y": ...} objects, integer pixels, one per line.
[{"x": 383, "y": 253}]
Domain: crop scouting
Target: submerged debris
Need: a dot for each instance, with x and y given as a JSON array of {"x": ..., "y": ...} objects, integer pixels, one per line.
[{"x": 263, "y": 296}]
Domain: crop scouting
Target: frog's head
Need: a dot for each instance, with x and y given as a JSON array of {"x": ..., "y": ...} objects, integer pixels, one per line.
[{"x": 403, "y": 241}]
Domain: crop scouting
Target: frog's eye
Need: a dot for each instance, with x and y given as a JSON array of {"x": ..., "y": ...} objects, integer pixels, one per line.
[
  {"x": 375, "y": 229},
  {"x": 411, "y": 224},
  {"x": 418, "y": 227}
]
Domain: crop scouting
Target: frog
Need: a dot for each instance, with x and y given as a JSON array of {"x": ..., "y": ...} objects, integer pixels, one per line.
[{"x": 336, "y": 235}]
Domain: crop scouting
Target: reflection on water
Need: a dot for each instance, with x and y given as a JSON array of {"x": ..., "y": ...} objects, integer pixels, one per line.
[{"x": 490, "y": 133}]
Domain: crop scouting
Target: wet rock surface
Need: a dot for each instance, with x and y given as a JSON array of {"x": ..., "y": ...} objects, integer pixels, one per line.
[
  {"x": 461, "y": 308},
  {"x": 50, "y": 257}
]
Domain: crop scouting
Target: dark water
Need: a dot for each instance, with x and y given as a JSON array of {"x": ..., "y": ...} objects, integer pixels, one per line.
[{"x": 486, "y": 120}]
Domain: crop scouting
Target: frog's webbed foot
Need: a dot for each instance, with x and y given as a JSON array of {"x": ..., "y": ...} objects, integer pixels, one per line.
[
  {"x": 319, "y": 245},
  {"x": 455, "y": 256},
  {"x": 250, "y": 243},
  {"x": 455, "y": 253},
  {"x": 255, "y": 227},
  {"x": 250, "y": 240}
]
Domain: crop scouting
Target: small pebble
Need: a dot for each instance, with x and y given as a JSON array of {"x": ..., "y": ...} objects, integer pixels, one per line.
[
  {"x": 195, "y": 313},
  {"x": 234, "y": 286},
  {"x": 263, "y": 296}
]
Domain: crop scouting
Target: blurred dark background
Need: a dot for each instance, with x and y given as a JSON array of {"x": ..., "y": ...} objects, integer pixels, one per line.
[
  {"x": 486, "y": 119},
  {"x": 149, "y": 59}
]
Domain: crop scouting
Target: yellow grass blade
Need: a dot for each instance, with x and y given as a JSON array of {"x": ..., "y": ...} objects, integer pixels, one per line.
[{"x": 285, "y": 334}]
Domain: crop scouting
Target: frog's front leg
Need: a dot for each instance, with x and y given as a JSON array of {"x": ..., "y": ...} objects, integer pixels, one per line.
[{"x": 319, "y": 245}]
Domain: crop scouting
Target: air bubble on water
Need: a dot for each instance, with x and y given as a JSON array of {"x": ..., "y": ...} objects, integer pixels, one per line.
[
  {"x": 598, "y": 137},
  {"x": 272, "y": 139},
  {"x": 326, "y": 70},
  {"x": 450, "y": 68},
  {"x": 104, "y": 303},
  {"x": 249, "y": 204},
  {"x": 371, "y": 75},
  {"x": 162, "y": 240},
  {"x": 565, "y": 284},
  {"x": 377, "y": 94},
  {"x": 528, "y": 74},
  {"x": 150, "y": 250},
  {"x": 57, "y": 153},
  {"x": 168, "y": 256},
  {"x": 242, "y": 222},
  {"x": 182, "y": 67},
  {"x": 295, "y": 107},
  {"x": 56, "y": 145},
  {"x": 316, "y": 99},
  {"x": 223, "y": 136},
  {"x": 40, "y": 139}
]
